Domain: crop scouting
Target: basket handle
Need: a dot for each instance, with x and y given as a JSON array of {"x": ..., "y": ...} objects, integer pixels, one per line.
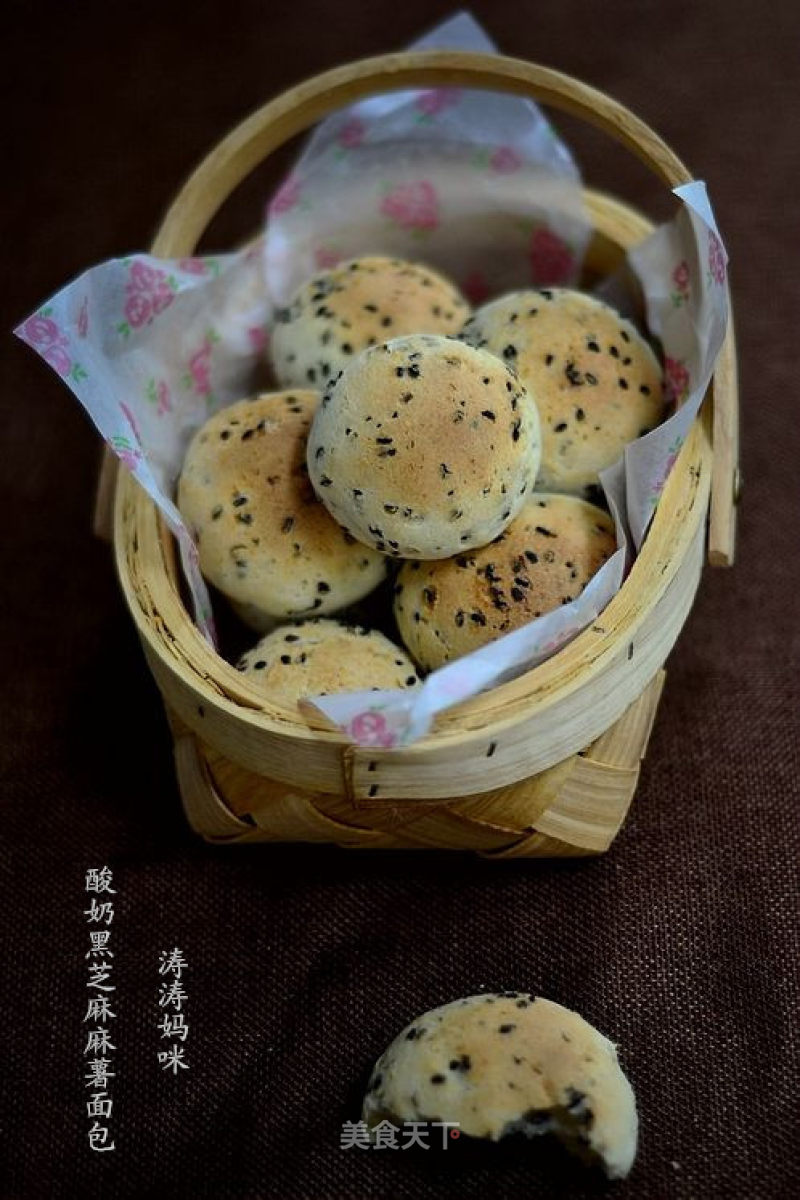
[{"x": 301, "y": 106}]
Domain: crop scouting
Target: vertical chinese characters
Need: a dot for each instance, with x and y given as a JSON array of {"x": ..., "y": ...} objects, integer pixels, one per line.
[
  {"x": 98, "y": 1010},
  {"x": 171, "y": 999}
]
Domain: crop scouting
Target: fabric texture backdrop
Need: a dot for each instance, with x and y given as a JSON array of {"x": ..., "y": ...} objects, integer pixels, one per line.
[{"x": 680, "y": 944}]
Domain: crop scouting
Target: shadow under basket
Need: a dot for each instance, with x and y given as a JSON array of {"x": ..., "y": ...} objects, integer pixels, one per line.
[{"x": 546, "y": 764}]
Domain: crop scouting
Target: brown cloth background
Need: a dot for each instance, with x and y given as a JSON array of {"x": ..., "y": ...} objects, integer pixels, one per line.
[{"x": 303, "y": 963}]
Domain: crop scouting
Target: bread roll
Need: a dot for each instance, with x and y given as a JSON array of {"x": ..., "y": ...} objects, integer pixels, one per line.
[
  {"x": 424, "y": 446},
  {"x": 544, "y": 558},
  {"x": 263, "y": 537},
  {"x": 317, "y": 658},
  {"x": 355, "y": 305},
  {"x": 506, "y": 1064},
  {"x": 596, "y": 381}
]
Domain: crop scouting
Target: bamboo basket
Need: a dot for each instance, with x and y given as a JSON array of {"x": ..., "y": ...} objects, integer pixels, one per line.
[{"x": 544, "y": 765}]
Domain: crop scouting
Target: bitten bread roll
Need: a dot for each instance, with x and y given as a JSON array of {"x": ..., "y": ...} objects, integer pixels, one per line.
[
  {"x": 507, "y": 1064},
  {"x": 424, "y": 446},
  {"x": 263, "y": 537},
  {"x": 595, "y": 380},
  {"x": 316, "y": 658},
  {"x": 544, "y": 558},
  {"x": 358, "y": 304}
]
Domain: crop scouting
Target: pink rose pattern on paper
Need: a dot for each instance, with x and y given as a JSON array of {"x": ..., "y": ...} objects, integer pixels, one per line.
[
  {"x": 370, "y": 729},
  {"x": 194, "y": 266},
  {"x": 676, "y": 379},
  {"x": 326, "y": 258},
  {"x": 198, "y": 372},
  {"x": 552, "y": 261},
  {"x": 716, "y": 258},
  {"x": 658, "y": 486},
  {"x": 43, "y": 334},
  {"x": 158, "y": 394},
  {"x": 82, "y": 324},
  {"x": 680, "y": 278},
  {"x": 128, "y": 450},
  {"x": 413, "y": 206},
  {"x": 148, "y": 291},
  {"x": 286, "y": 197},
  {"x": 352, "y": 134},
  {"x": 431, "y": 103},
  {"x": 476, "y": 287},
  {"x": 258, "y": 338},
  {"x": 505, "y": 160}
]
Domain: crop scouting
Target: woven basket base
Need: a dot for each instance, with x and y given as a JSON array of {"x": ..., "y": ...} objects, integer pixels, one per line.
[{"x": 577, "y": 807}]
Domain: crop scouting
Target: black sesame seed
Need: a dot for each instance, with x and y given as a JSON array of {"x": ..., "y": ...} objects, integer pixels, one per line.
[
  {"x": 517, "y": 594},
  {"x": 510, "y": 351},
  {"x": 477, "y": 618},
  {"x": 644, "y": 389},
  {"x": 325, "y": 481},
  {"x": 506, "y": 1028},
  {"x": 437, "y": 1078},
  {"x": 623, "y": 383},
  {"x": 323, "y": 587},
  {"x": 560, "y": 427},
  {"x": 411, "y": 680},
  {"x": 238, "y": 501},
  {"x": 287, "y": 525},
  {"x": 286, "y": 659},
  {"x": 259, "y": 666},
  {"x": 487, "y": 412},
  {"x": 545, "y": 532},
  {"x": 216, "y": 513}
]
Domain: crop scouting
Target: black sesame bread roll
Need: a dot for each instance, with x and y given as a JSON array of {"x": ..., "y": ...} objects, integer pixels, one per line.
[
  {"x": 596, "y": 381},
  {"x": 424, "y": 446},
  {"x": 543, "y": 559},
  {"x": 263, "y": 537},
  {"x": 358, "y": 304},
  {"x": 318, "y": 658},
  {"x": 507, "y": 1064}
]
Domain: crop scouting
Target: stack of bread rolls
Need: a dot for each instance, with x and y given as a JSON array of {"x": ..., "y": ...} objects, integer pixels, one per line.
[{"x": 453, "y": 452}]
